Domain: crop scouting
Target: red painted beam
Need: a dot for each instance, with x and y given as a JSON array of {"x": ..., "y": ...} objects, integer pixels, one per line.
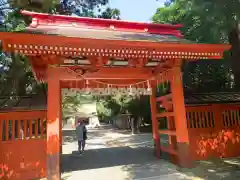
[
  {"x": 162, "y": 98},
  {"x": 165, "y": 114}
]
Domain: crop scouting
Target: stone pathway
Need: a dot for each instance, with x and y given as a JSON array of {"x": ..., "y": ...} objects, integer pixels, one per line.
[{"x": 112, "y": 154}]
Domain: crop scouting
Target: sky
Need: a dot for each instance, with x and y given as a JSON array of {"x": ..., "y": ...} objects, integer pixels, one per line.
[{"x": 136, "y": 10}]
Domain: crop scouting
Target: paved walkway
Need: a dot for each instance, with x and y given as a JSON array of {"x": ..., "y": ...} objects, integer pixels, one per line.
[
  {"x": 117, "y": 155},
  {"x": 114, "y": 155}
]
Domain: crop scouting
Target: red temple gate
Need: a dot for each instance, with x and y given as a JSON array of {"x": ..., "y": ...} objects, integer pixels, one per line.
[{"x": 73, "y": 52}]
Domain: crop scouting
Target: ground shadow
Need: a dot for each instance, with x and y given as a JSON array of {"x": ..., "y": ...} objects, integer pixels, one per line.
[
  {"x": 106, "y": 157},
  {"x": 148, "y": 171},
  {"x": 214, "y": 169},
  {"x": 207, "y": 170},
  {"x": 134, "y": 155}
]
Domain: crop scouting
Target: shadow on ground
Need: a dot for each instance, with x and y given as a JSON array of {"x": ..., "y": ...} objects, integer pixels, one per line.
[
  {"x": 106, "y": 157},
  {"x": 119, "y": 152},
  {"x": 136, "y": 163},
  {"x": 134, "y": 156},
  {"x": 227, "y": 169}
]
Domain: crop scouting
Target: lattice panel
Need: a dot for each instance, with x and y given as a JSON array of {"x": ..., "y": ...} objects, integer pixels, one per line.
[
  {"x": 200, "y": 119},
  {"x": 231, "y": 118}
]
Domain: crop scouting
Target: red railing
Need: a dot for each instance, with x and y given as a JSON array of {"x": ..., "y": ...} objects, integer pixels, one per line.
[{"x": 22, "y": 144}]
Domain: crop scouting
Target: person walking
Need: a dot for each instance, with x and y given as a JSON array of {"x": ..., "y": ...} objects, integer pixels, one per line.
[{"x": 81, "y": 132}]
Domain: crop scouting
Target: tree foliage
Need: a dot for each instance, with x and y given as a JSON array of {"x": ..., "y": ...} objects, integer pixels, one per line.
[
  {"x": 23, "y": 82},
  {"x": 16, "y": 76},
  {"x": 71, "y": 104},
  {"x": 206, "y": 22},
  {"x": 110, "y": 106}
]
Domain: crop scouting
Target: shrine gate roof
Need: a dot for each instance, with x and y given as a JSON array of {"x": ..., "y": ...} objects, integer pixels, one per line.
[
  {"x": 105, "y": 44},
  {"x": 107, "y": 29}
]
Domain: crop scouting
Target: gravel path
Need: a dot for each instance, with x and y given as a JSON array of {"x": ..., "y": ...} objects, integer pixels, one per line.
[{"x": 114, "y": 155}]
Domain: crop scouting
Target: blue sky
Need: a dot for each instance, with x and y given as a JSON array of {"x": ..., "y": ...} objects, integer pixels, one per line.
[{"x": 136, "y": 10}]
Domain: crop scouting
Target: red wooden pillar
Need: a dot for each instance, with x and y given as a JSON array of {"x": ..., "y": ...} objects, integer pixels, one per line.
[
  {"x": 60, "y": 122},
  {"x": 153, "y": 105},
  {"x": 53, "y": 118},
  {"x": 184, "y": 156}
]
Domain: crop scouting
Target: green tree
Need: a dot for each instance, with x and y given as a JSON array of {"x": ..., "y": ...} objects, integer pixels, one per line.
[
  {"x": 225, "y": 16},
  {"x": 203, "y": 23},
  {"x": 111, "y": 106},
  {"x": 71, "y": 104},
  {"x": 109, "y": 13},
  {"x": 11, "y": 20},
  {"x": 140, "y": 107}
]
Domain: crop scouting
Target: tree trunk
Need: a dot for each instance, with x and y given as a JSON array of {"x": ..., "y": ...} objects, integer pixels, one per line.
[
  {"x": 135, "y": 125},
  {"x": 138, "y": 123},
  {"x": 132, "y": 125},
  {"x": 234, "y": 40}
]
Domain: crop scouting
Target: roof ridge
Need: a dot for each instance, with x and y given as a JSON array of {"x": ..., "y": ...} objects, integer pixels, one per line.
[
  {"x": 45, "y": 15},
  {"x": 112, "y": 24}
]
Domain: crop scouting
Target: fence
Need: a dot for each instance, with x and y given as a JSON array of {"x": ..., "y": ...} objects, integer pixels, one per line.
[
  {"x": 23, "y": 144},
  {"x": 214, "y": 131}
]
